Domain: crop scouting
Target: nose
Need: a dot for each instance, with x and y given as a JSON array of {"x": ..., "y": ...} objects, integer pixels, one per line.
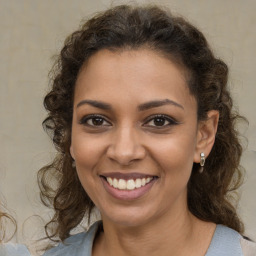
[{"x": 125, "y": 146}]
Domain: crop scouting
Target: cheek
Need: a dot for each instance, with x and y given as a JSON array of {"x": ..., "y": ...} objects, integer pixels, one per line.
[
  {"x": 87, "y": 156},
  {"x": 175, "y": 156},
  {"x": 87, "y": 151},
  {"x": 175, "y": 170}
]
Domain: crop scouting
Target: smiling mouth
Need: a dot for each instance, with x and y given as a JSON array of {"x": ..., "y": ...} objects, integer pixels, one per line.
[{"x": 130, "y": 184}]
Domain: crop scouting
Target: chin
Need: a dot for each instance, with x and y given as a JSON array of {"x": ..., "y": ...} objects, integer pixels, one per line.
[{"x": 128, "y": 217}]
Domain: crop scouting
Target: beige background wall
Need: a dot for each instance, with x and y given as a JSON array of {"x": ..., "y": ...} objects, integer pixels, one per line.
[{"x": 31, "y": 31}]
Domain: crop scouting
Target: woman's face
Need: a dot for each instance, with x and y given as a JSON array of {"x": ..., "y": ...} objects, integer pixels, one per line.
[{"x": 134, "y": 135}]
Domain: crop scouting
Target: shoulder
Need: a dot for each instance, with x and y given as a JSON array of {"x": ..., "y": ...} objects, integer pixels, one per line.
[
  {"x": 79, "y": 244},
  {"x": 11, "y": 249},
  {"x": 225, "y": 242},
  {"x": 228, "y": 242}
]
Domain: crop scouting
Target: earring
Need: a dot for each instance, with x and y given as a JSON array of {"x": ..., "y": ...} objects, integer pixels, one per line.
[
  {"x": 202, "y": 162},
  {"x": 74, "y": 164}
]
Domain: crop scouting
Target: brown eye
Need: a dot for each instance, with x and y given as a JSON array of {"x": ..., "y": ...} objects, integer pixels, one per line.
[
  {"x": 160, "y": 121},
  {"x": 94, "y": 121},
  {"x": 97, "y": 121}
]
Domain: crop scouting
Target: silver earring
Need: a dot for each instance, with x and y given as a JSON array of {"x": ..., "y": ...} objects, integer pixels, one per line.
[
  {"x": 74, "y": 164},
  {"x": 202, "y": 162}
]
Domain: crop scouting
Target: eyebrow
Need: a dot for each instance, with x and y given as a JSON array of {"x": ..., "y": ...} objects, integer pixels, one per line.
[
  {"x": 142, "y": 107},
  {"x": 158, "y": 103},
  {"x": 95, "y": 103}
]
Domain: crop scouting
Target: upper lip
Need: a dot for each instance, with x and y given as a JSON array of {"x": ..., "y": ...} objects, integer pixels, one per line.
[{"x": 127, "y": 176}]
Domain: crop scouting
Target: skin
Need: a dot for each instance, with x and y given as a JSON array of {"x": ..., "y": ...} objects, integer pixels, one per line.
[{"x": 127, "y": 139}]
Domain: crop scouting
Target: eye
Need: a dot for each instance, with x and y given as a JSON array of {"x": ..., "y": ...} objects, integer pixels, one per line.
[
  {"x": 160, "y": 121},
  {"x": 94, "y": 121}
]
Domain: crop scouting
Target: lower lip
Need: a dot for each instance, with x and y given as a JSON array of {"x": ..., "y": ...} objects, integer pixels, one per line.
[{"x": 127, "y": 194}]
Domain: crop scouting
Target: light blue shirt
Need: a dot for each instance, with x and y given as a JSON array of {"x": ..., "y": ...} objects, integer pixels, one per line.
[
  {"x": 10, "y": 249},
  {"x": 225, "y": 242}
]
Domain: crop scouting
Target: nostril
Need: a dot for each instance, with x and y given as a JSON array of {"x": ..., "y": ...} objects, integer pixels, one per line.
[
  {"x": 126, "y": 158},
  {"x": 126, "y": 148}
]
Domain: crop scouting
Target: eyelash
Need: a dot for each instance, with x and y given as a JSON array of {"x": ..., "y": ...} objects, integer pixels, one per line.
[
  {"x": 171, "y": 121},
  {"x": 85, "y": 119}
]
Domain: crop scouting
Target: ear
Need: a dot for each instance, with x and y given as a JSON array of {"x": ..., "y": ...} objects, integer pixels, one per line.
[{"x": 206, "y": 135}]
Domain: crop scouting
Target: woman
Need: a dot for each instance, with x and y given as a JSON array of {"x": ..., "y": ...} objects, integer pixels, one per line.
[{"x": 141, "y": 116}]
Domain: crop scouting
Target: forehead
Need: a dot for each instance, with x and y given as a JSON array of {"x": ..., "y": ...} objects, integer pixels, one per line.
[{"x": 137, "y": 75}]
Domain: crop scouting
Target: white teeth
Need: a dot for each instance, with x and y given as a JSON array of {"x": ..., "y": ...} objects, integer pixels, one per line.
[
  {"x": 115, "y": 183},
  {"x": 121, "y": 184},
  {"x": 128, "y": 184},
  {"x": 110, "y": 181},
  {"x": 138, "y": 183}
]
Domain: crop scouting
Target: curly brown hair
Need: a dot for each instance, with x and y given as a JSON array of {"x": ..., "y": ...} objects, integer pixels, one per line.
[
  {"x": 210, "y": 194},
  {"x": 4, "y": 219}
]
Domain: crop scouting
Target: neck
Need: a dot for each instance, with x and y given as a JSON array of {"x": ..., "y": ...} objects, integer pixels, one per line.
[{"x": 171, "y": 234}]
